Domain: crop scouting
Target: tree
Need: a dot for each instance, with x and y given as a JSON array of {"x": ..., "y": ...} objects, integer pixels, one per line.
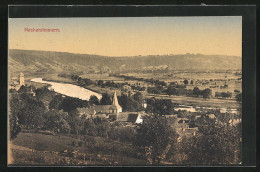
[
  {"x": 155, "y": 134},
  {"x": 215, "y": 144},
  {"x": 236, "y": 91},
  {"x": 196, "y": 91},
  {"x": 28, "y": 110},
  {"x": 217, "y": 94},
  {"x": 14, "y": 126},
  {"x": 56, "y": 102},
  {"x": 128, "y": 103},
  {"x": 206, "y": 93},
  {"x": 239, "y": 97},
  {"x": 41, "y": 92},
  {"x": 69, "y": 104},
  {"x": 12, "y": 90},
  {"x": 186, "y": 82},
  {"x": 191, "y": 82},
  {"x": 100, "y": 82},
  {"x": 22, "y": 89},
  {"x": 56, "y": 121},
  {"x": 105, "y": 100},
  {"x": 171, "y": 90},
  {"x": 159, "y": 106},
  {"x": 138, "y": 97},
  {"x": 93, "y": 100}
]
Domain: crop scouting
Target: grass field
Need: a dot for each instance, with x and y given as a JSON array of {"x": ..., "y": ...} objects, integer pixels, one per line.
[
  {"x": 42, "y": 149},
  {"x": 182, "y": 100}
]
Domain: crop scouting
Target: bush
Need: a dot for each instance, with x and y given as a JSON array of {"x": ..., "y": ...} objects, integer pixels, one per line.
[{"x": 124, "y": 134}]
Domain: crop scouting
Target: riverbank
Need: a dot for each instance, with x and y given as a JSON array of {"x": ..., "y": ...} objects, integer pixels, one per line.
[
  {"x": 95, "y": 88},
  {"x": 68, "y": 89}
]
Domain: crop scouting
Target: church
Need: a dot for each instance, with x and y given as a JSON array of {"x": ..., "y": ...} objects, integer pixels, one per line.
[
  {"x": 113, "y": 112},
  {"x": 104, "y": 111}
]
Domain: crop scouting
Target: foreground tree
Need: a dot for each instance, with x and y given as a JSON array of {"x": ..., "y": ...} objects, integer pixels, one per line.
[
  {"x": 28, "y": 110},
  {"x": 215, "y": 144},
  {"x": 14, "y": 125},
  {"x": 56, "y": 121},
  {"x": 153, "y": 137}
]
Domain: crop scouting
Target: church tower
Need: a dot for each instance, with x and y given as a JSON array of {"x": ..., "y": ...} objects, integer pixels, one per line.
[
  {"x": 115, "y": 107},
  {"x": 21, "y": 80}
]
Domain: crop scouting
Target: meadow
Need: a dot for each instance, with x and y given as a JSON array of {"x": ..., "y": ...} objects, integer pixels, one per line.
[{"x": 34, "y": 148}]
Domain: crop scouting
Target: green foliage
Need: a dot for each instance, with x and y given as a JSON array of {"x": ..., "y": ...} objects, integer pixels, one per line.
[
  {"x": 159, "y": 106},
  {"x": 124, "y": 134},
  {"x": 156, "y": 133},
  {"x": 56, "y": 121},
  {"x": 129, "y": 103},
  {"x": 239, "y": 97},
  {"x": 28, "y": 110},
  {"x": 138, "y": 97},
  {"x": 223, "y": 94},
  {"x": 14, "y": 126},
  {"x": 56, "y": 102},
  {"x": 196, "y": 91},
  {"x": 206, "y": 93},
  {"x": 96, "y": 127},
  {"x": 41, "y": 92},
  {"x": 106, "y": 99},
  {"x": 12, "y": 90},
  {"x": 215, "y": 144},
  {"x": 22, "y": 89},
  {"x": 93, "y": 100},
  {"x": 69, "y": 104}
]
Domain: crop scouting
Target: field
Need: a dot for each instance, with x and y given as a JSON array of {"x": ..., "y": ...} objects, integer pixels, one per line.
[
  {"x": 215, "y": 103},
  {"x": 179, "y": 77},
  {"x": 104, "y": 77},
  {"x": 225, "y": 78},
  {"x": 44, "y": 149}
]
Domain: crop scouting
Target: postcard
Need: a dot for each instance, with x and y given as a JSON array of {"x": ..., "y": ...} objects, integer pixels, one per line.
[{"x": 125, "y": 91}]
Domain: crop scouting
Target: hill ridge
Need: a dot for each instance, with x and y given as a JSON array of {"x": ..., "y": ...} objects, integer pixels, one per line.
[{"x": 34, "y": 60}]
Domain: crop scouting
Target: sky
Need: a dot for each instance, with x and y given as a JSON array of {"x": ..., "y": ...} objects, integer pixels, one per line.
[{"x": 130, "y": 36}]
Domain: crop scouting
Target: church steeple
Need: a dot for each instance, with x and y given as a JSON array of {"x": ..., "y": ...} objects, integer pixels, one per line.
[
  {"x": 115, "y": 101},
  {"x": 115, "y": 104}
]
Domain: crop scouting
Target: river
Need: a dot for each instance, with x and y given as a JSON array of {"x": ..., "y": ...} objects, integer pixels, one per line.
[{"x": 69, "y": 89}]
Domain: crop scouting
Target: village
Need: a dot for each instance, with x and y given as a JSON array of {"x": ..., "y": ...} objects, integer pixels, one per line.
[{"x": 182, "y": 118}]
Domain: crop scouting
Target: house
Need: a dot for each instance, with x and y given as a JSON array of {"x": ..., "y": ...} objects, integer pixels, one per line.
[
  {"x": 132, "y": 117},
  {"x": 212, "y": 116}
]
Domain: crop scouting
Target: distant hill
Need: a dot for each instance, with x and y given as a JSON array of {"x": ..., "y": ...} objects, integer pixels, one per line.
[{"x": 32, "y": 60}]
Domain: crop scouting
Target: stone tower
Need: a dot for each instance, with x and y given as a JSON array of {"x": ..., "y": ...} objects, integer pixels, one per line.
[{"x": 21, "y": 80}]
